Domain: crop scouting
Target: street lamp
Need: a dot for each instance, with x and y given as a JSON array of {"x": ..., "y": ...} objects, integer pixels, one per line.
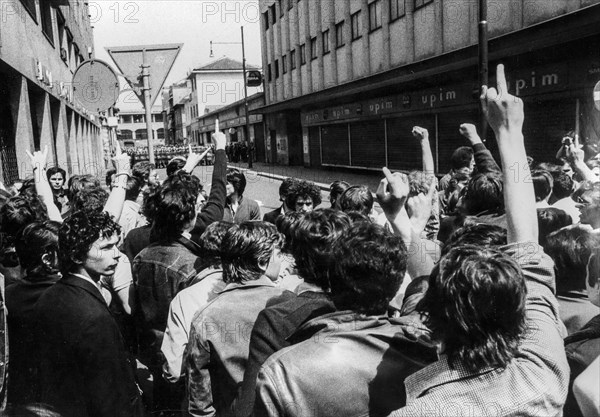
[{"x": 247, "y": 125}]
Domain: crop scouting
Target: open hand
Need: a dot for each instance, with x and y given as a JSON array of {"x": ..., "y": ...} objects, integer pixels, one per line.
[{"x": 503, "y": 111}]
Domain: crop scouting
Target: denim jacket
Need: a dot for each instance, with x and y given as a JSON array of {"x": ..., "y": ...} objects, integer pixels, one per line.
[{"x": 159, "y": 272}]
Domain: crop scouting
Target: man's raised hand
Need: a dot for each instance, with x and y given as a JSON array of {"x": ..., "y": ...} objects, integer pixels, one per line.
[
  {"x": 503, "y": 111},
  {"x": 38, "y": 159},
  {"x": 392, "y": 193},
  {"x": 469, "y": 131},
  {"x": 219, "y": 138},
  {"x": 420, "y": 133}
]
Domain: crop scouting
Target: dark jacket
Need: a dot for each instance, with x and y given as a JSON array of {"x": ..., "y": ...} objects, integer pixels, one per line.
[
  {"x": 582, "y": 348},
  {"x": 348, "y": 365},
  {"x": 20, "y": 301},
  {"x": 272, "y": 330},
  {"x": 159, "y": 272},
  {"x": 136, "y": 241},
  {"x": 272, "y": 216},
  {"x": 213, "y": 209},
  {"x": 217, "y": 351},
  {"x": 84, "y": 370}
]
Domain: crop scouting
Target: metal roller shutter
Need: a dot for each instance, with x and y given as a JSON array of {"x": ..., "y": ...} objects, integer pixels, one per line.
[
  {"x": 404, "y": 151},
  {"x": 334, "y": 140},
  {"x": 367, "y": 141},
  {"x": 449, "y": 137},
  {"x": 314, "y": 146}
]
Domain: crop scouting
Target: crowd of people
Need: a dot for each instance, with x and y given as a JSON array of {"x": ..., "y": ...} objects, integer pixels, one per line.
[
  {"x": 478, "y": 294},
  {"x": 164, "y": 154}
]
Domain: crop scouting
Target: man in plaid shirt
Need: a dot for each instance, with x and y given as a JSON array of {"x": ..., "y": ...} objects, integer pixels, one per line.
[{"x": 495, "y": 312}]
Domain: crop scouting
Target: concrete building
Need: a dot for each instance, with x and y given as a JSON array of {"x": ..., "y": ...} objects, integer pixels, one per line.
[
  {"x": 132, "y": 127},
  {"x": 41, "y": 45},
  {"x": 214, "y": 85},
  {"x": 347, "y": 79},
  {"x": 232, "y": 122}
]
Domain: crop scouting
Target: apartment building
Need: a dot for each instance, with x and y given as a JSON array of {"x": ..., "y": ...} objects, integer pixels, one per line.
[{"x": 345, "y": 80}]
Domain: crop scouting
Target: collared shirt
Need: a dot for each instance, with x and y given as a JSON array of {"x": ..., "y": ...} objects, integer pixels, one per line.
[
  {"x": 307, "y": 286},
  {"x": 88, "y": 279},
  {"x": 535, "y": 382}
]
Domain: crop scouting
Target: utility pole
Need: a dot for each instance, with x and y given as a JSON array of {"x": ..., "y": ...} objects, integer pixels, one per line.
[
  {"x": 483, "y": 61},
  {"x": 247, "y": 135},
  {"x": 147, "y": 105}
]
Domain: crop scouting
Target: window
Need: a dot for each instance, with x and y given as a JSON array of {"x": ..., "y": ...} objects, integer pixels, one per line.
[
  {"x": 356, "y": 25},
  {"x": 313, "y": 48},
  {"x": 293, "y": 59},
  {"x": 139, "y": 118},
  {"x": 157, "y": 117},
  {"x": 284, "y": 63},
  {"x": 266, "y": 19},
  {"x": 269, "y": 73},
  {"x": 303, "y": 54},
  {"x": 47, "y": 28},
  {"x": 339, "y": 34},
  {"x": 281, "y": 8},
  {"x": 62, "y": 42},
  {"x": 160, "y": 133},
  {"x": 276, "y": 68},
  {"x": 397, "y": 9},
  {"x": 273, "y": 12},
  {"x": 421, "y": 3},
  {"x": 126, "y": 118},
  {"x": 141, "y": 134},
  {"x": 374, "y": 15},
  {"x": 30, "y": 7},
  {"x": 125, "y": 134},
  {"x": 326, "y": 42}
]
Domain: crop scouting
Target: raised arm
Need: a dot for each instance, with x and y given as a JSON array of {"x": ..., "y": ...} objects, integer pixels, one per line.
[
  {"x": 42, "y": 186},
  {"x": 484, "y": 161},
  {"x": 116, "y": 199},
  {"x": 422, "y": 135},
  {"x": 194, "y": 159},
  {"x": 392, "y": 194},
  {"x": 505, "y": 115},
  {"x": 575, "y": 156}
]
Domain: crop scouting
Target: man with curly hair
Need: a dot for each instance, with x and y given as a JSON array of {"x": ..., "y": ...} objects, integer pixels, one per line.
[
  {"x": 83, "y": 364},
  {"x": 303, "y": 196}
]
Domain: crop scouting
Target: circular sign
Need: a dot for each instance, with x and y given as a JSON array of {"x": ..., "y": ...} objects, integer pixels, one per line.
[
  {"x": 597, "y": 96},
  {"x": 253, "y": 78},
  {"x": 95, "y": 86}
]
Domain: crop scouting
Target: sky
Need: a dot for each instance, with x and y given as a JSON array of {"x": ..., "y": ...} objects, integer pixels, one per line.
[{"x": 191, "y": 22}]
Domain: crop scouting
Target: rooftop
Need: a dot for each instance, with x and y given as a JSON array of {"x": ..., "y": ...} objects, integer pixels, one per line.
[{"x": 224, "y": 64}]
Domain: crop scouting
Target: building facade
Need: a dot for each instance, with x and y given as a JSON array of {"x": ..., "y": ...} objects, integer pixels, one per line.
[
  {"x": 232, "y": 122},
  {"x": 175, "y": 101},
  {"x": 213, "y": 86},
  {"x": 41, "y": 45},
  {"x": 347, "y": 79},
  {"x": 132, "y": 130}
]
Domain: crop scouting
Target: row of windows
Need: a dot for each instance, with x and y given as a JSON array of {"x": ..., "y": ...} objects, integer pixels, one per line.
[
  {"x": 125, "y": 134},
  {"x": 397, "y": 10},
  {"x": 139, "y": 118}
]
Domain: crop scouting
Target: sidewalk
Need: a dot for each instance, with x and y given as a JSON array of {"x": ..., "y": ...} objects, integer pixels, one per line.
[{"x": 323, "y": 177}]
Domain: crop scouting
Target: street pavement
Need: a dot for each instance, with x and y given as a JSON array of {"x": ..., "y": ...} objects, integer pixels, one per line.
[{"x": 263, "y": 180}]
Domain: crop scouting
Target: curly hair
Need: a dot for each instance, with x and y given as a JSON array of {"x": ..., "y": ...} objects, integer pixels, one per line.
[
  {"x": 336, "y": 189},
  {"x": 141, "y": 170},
  {"x": 78, "y": 233},
  {"x": 543, "y": 182},
  {"x": 481, "y": 234},
  {"x": 80, "y": 182},
  {"x": 210, "y": 243},
  {"x": 237, "y": 179},
  {"x": 475, "y": 304},
  {"x": 369, "y": 269},
  {"x": 247, "y": 246},
  {"x": 313, "y": 239},
  {"x": 484, "y": 192},
  {"x": 18, "y": 212},
  {"x": 303, "y": 189},
  {"x": 461, "y": 157}
]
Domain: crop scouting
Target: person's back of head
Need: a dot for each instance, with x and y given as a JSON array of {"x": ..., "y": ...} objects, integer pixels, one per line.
[
  {"x": 286, "y": 224},
  {"x": 109, "y": 177},
  {"x": 81, "y": 182},
  {"x": 284, "y": 190},
  {"x": 18, "y": 212},
  {"x": 475, "y": 306},
  {"x": 369, "y": 267},
  {"x": 174, "y": 208},
  {"x": 141, "y": 170},
  {"x": 210, "y": 243},
  {"x": 481, "y": 234},
  {"x": 78, "y": 233},
  {"x": 336, "y": 189},
  {"x": 357, "y": 198},
  {"x": 570, "y": 249},
  {"x": 483, "y": 193},
  {"x": 461, "y": 158},
  {"x": 551, "y": 219},
  {"x": 313, "y": 238},
  {"x": 132, "y": 188},
  {"x": 552, "y": 168},
  {"x": 542, "y": 184},
  {"x": 248, "y": 249},
  {"x": 563, "y": 185},
  {"x": 89, "y": 199},
  {"x": 37, "y": 248},
  {"x": 593, "y": 277},
  {"x": 175, "y": 165}
]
